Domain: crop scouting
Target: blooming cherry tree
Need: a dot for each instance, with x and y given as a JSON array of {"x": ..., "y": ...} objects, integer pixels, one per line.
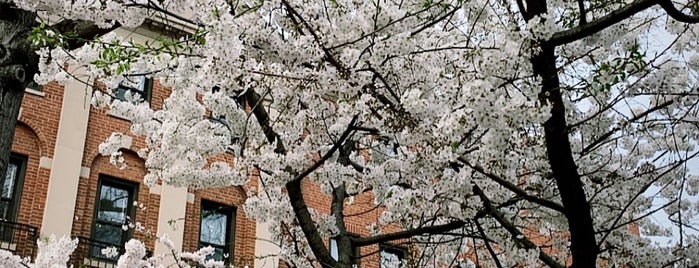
[{"x": 476, "y": 126}]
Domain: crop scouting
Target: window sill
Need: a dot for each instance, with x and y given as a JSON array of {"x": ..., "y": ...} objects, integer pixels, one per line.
[
  {"x": 35, "y": 92},
  {"x": 110, "y": 113},
  {"x": 8, "y": 246},
  {"x": 98, "y": 263}
]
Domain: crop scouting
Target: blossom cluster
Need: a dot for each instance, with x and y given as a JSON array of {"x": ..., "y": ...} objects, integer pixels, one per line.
[{"x": 420, "y": 101}]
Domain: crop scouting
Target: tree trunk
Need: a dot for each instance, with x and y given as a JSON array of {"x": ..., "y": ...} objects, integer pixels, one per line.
[
  {"x": 344, "y": 243},
  {"x": 583, "y": 245},
  {"x": 10, "y": 101},
  {"x": 18, "y": 64}
]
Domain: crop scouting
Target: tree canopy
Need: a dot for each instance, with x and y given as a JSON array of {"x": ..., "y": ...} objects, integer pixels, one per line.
[{"x": 472, "y": 123}]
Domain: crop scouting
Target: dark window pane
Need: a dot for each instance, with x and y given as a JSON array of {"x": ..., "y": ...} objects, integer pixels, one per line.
[
  {"x": 5, "y": 207},
  {"x": 120, "y": 93},
  {"x": 218, "y": 254},
  {"x": 137, "y": 86},
  {"x": 113, "y": 205},
  {"x": 110, "y": 234},
  {"x": 134, "y": 83},
  {"x": 216, "y": 230},
  {"x": 33, "y": 85},
  {"x": 213, "y": 227},
  {"x": 9, "y": 183},
  {"x": 391, "y": 258},
  {"x": 113, "y": 210}
]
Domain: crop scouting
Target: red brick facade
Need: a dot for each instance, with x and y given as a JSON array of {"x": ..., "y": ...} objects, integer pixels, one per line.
[{"x": 36, "y": 136}]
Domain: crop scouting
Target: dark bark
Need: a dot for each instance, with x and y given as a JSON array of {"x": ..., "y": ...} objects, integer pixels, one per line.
[
  {"x": 254, "y": 100},
  {"x": 307, "y": 224},
  {"x": 18, "y": 64},
  {"x": 300, "y": 208},
  {"x": 426, "y": 230},
  {"x": 595, "y": 26},
  {"x": 82, "y": 31},
  {"x": 583, "y": 245},
  {"x": 344, "y": 244},
  {"x": 676, "y": 14}
]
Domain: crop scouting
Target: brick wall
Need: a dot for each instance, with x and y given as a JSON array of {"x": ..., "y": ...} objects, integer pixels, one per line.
[
  {"x": 100, "y": 126},
  {"x": 36, "y": 137},
  {"x": 33, "y": 198}
]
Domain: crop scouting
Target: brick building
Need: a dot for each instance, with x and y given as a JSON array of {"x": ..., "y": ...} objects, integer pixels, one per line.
[{"x": 58, "y": 183}]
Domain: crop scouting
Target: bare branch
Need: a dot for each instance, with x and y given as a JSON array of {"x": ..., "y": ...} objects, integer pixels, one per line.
[
  {"x": 330, "y": 152},
  {"x": 497, "y": 215},
  {"x": 487, "y": 245},
  {"x": 641, "y": 191},
  {"x": 521, "y": 193},
  {"x": 432, "y": 23},
  {"x": 328, "y": 55},
  {"x": 608, "y": 134}
]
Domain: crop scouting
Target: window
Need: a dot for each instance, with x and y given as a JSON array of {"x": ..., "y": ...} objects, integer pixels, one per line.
[
  {"x": 217, "y": 229},
  {"x": 11, "y": 194},
  {"x": 138, "y": 86},
  {"x": 12, "y": 188},
  {"x": 34, "y": 86},
  {"x": 336, "y": 254},
  {"x": 113, "y": 209},
  {"x": 391, "y": 256}
]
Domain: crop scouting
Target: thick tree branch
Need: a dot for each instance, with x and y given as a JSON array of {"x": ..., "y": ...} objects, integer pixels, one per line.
[
  {"x": 434, "y": 229},
  {"x": 344, "y": 242},
  {"x": 18, "y": 63},
  {"x": 315, "y": 242},
  {"x": 673, "y": 12},
  {"x": 585, "y": 30},
  {"x": 565, "y": 171},
  {"x": 583, "y": 245},
  {"x": 298, "y": 203},
  {"x": 254, "y": 101},
  {"x": 523, "y": 10},
  {"x": 583, "y": 12},
  {"x": 82, "y": 30}
]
